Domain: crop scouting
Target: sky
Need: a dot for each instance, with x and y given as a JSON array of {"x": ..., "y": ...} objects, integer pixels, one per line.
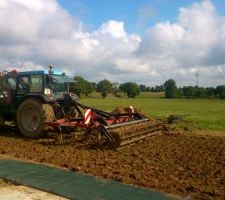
[{"x": 144, "y": 41}]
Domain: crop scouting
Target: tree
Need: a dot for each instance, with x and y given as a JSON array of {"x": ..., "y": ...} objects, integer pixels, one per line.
[
  {"x": 143, "y": 88},
  {"x": 210, "y": 91},
  {"x": 170, "y": 89},
  {"x": 104, "y": 87},
  {"x": 88, "y": 88},
  {"x": 152, "y": 89},
  {"x": 188, "y": 91},
  {"x": 116, "y": 89},
  {"x": 200, "y": 92},
  {"x": 179, "y": 93},
  {"x": 148, "y": 89},
  {"x": 157, "y": 88},
  {"x": 82, "y": 86},
  {"x": 94, "y": 85},
  {"x": 131, "y": 89},
  {"x": 220, "y": 91}
]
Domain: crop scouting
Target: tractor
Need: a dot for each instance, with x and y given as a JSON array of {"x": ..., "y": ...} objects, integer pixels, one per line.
[{"x": 34, "y": 100}]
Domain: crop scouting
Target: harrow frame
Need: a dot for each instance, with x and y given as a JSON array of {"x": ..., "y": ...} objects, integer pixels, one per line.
[{"x": 104, "y": 121}]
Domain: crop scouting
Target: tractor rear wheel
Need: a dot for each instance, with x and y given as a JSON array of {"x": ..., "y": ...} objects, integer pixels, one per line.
[
  {"x": 31, "y": 116},
  {"x": 1, "y": 122}
]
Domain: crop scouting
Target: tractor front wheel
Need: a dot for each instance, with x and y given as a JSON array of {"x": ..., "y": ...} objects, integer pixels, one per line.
[{"x": 31, "y": 116}]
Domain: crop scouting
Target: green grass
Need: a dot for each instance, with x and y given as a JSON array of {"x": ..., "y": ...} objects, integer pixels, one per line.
[
  {"x": 152, "y": 95},
  {"x": 199, "y": 114}
]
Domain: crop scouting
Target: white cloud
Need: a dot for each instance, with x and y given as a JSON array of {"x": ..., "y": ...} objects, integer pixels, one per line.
[
  {"x": 130, "y": 65},
  {"x": 195, "y": 40},
  {"x": 38, "y": 32},
  {"x": 113, "y": 28}
]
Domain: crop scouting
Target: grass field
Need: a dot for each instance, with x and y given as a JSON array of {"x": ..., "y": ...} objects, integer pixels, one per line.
[{"x": 198, "y": 113}]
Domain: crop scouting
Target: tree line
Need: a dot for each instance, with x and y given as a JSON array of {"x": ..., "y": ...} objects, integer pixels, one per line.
[
  {"x": 84, "y": 87},
  {"x": 157, "y": 88},
  {"x": 172, "y": 91}
]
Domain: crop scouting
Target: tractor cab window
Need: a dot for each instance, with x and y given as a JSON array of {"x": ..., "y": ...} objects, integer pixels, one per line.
[
  {"x": 36, "y": 83},
  {"x": 9, "y": 84},
  {"x": 9, "y": 88},
  {"x": 23, "y": 85},
  {"x": 56, "y": 85}
]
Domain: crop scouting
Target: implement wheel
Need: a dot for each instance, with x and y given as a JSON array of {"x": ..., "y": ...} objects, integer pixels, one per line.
[{"x": 31, "y": 116}]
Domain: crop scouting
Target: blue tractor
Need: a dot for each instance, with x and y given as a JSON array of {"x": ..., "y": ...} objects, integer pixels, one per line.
[
  {"x": 33, "y": 97},
  {"x": 37, "y": 100}
]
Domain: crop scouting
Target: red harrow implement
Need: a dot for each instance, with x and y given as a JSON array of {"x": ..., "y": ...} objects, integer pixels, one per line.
[{"x": 118, "y": 129}]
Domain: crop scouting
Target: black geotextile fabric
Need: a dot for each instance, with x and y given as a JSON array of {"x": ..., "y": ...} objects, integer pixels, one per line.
[{"x": 70, "y": 184}]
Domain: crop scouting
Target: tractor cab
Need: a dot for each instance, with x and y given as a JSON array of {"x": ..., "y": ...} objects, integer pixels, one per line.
[
  {"x": 46, "y": 86},
  {"x": 51, "y": 86}
]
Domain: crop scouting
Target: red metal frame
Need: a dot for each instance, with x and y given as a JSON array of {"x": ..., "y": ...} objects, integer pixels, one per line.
[{"x": 80, "y": 121}]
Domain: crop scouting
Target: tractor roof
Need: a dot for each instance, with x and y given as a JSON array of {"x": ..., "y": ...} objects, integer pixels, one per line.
[
  {"x": 60, "y": 77},
  {"x": 40, "y": 72}
]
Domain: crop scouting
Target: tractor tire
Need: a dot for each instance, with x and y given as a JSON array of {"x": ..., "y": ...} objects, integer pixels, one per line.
[
  {"x": 1, "y": 116},
  {"x": 1, "y": 123},
  {"x": 31, "y": 116},
  {"x": 49, "y": 112}
]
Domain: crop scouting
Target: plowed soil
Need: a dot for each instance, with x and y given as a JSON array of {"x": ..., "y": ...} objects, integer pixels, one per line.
[{"x": 180, "y": 164}]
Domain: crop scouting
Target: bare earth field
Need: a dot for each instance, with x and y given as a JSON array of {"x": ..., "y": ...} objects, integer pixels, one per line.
[{"x": 186, "y": 164}]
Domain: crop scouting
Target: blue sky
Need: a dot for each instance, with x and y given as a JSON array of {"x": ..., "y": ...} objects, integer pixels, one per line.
[
  {"x": 143, "y": 41},
  {"x": 96, "y": 12}
]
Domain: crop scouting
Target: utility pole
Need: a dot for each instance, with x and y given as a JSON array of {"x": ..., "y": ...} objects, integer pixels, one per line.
[{"x": 197, "y": 78}]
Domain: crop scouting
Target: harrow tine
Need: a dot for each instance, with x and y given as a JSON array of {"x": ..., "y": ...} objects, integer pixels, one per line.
[
  {"x": 108, "y": 135},
  {"x": 122, "y": 134},
  {"x": 126, "y": 123}
]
